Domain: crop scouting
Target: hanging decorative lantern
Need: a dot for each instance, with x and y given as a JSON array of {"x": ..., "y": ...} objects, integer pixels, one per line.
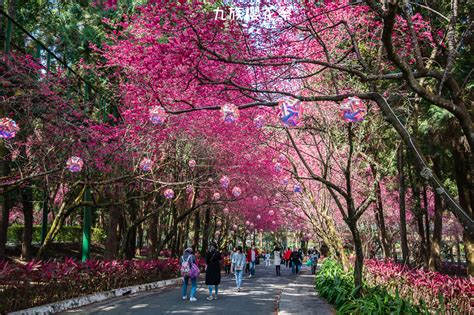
[
  {"x": 235, "y": 227},
  {"x": 285, "y": 181},
  {"x": 247, "y": 222},
  {"x": 192, "y": 163},
  {"x": 169, "y": 193},
  {"x": 259, "y": 216},
  {"x": 255, "y": 198},
  {"x": 352, "y": 109},
  {"x": 252, "y": 225},
  {"x": 146, "y": 164},
  {"x": 278, "y": 168},
  {"x": 261, "y": 230},
  {"x": 157, "y": 115},
  {"x": 259, "y": 122},
  {"x": 291, "y": 112},
  {"x": 219, "y": 223},
  {"x": 8, "y": 128},
  {"x": 230, "y": 113},
  {"x": 236, "y": 191},
  {"x": 282, "y": 158},
  {"x": 74, "y": 164},
  {"x": 273, "y": 222},
  {"x": 210, "y": 180},
  {"x": 271, "y": 213},
  {"x": 189, "y": 189},
  {"x": 225, "y": 211},
  {"x": 297, "y": 188},
  {"x": 224, "y": 181},
  {"x": 277, "y": 195},
  {"x": 216, "y": 196}
]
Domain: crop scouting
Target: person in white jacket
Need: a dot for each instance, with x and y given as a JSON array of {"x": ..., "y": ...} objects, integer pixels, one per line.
[{"x": 277, "y": 260}]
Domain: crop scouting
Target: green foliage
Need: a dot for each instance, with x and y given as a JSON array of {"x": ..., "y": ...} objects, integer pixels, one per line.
[
  {"x": 68, "y": 234},
  {"x": 337, "y": 287}
]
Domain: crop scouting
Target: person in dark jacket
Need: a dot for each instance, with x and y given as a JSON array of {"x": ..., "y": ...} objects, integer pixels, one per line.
[
  {"x": 213, "y": 269},
  {"x": 296, "y": 259}
]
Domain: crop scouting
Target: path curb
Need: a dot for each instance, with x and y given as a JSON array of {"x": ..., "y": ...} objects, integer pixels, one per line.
[{"x": 64, "y": 305}]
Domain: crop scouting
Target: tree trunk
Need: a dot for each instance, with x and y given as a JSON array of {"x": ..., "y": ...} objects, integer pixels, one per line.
[
  {"x": 27, "y": 199},
  {"x": 359, "y": 258},
  {"x": 403, "y": 216},
  {"x": 466, "y": 200},
  {"x": 152, "y": 236},
  {"x": 379, "y": 215},
  {"x": 197, "y": 230},
  {"x": 435, "y": 245},
  {"x": 205, "y": 237},
  {"x": 112, "y": 238}
]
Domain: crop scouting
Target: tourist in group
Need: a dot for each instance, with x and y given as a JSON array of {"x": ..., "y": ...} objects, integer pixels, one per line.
[
  {"x": 252, "y": 256},
  {"x": 238, "y": 265},
  {"x": 188, "y": 266},
  {"x": 213, "y": 270},
  {"x": 287, "y": 257},
  {"x": 277, "y": 260},
  {"x": 296, "y": 260},
  {"x": 267, "y": 259},
  {"x": 314, "y": 260},
  {"x": 227, "y": 263}
]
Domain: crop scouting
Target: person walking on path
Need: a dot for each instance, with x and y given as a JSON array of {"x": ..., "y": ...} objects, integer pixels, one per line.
[
  {"x": 213, "y": 270},
  {"x": 277, "y": 260},
  {"x": 238, "y": 265},
  {"x": 287, "y": 257},
  {"x": 227, "y": 263},
  {"x": 252, "y": 256},
  {"x": 267, "y": 259},
  {"x": 314, "y": 260},
  {"x": 296, "y": 259},
  {"x": 188, "y": 265}
]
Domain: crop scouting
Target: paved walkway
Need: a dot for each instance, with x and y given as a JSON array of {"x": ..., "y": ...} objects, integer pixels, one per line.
[{"x": 263, "y": 294}]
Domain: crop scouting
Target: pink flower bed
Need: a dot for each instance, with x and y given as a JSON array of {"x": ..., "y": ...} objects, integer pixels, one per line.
[
  {"x": 42, "y": 282},
  {"x": 417, "y": 285}
]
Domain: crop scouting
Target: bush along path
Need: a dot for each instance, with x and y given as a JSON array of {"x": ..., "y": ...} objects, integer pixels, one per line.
[
  {"x": 391, "y": 288},
  {"x": 41, "y": 282}
]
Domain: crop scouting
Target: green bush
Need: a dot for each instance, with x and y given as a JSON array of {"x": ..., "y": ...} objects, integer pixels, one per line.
[
  {"x": 337, "y": 287},
  {"x": 68, "y": 234}
]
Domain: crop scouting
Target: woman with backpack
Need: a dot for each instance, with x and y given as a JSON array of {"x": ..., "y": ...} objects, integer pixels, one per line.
[
  {"x": 213, "y": 270},
  {"x": 238, "y": 264},
  {"x": 189, "y": 270}
]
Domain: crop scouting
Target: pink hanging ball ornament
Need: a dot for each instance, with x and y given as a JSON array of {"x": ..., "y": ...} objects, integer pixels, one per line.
[
  {"x": 75, "y": 164},
  {"x": 146, "y": 164},
  {"x": 210, "y": 180},
  {"x": 282, "y": 158},
  {"x": 278, "y": 168},
  {"x": 157, "y": 115},
  {"x": 8, "y": 128},
  {"x": 192, "y": 163},
  {"x": 297, "y": 188},
  {"x": 255, "y": 198},
  {"x": 271, "y": 213},
  {"x": 273, "y": 222},
  {"x": 252, "y": 225},
  {"x": 259, "y": 122},
  {"x": 259, "y": 216},
  {"x": 219, "y": 223},
  {"x": 236, "y": 191},
  {"x": 216, "y": 196},
  {"x": 168, "y": 193},
  {"x": 352, "y": 109},
  {"x": 278, "y": 195},
  {"x": 224, "y": 181},
  {"x": 230, "y": 113},
  {"x": 285, "y": 181},
  {"x": 235, "y": 227},
  {"x": 247, "y": 222},
  {"x": 225, "y": 211},
  {"x": 290, "y": 111}
]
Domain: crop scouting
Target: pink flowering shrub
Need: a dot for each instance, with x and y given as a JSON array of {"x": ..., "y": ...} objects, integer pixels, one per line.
[
  {"x": 435, "y": 290},
  {"x": 41, "y": 282}
]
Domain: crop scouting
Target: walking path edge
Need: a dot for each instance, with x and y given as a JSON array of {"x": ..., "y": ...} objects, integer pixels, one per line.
[{"x": 68, "y": 304}]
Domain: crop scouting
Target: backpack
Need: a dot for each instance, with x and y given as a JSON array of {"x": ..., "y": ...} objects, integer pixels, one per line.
[{"x": 185, "y": 267}]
